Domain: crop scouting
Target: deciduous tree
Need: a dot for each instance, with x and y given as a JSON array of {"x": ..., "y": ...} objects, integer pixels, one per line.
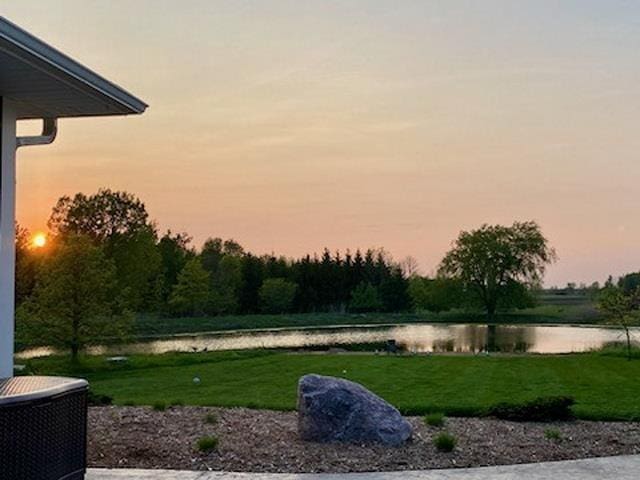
[
  {"x": 75, "y": 302},
  {"x": 493, "y": 259}
]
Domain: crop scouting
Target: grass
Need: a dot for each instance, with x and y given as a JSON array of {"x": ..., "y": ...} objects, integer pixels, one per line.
[
  {"x": 434, "y": 419},
  {"x": 211, "y": 418},
  {"x": 553, "y": 434},
  {"x": 604, "y": 387},
  {"x": 207, "y": 444},
  {"x": 445, "y": 442}
]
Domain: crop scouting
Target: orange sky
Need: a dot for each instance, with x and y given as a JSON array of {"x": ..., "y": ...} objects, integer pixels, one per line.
[{"x": 291, "y": 126}]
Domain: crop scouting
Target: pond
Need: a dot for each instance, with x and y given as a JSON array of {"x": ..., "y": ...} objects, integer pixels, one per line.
[{"x": 414, "y": 338}]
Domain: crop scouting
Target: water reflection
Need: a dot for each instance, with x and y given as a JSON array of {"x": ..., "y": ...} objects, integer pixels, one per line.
[{"x": 417, "y": 338}]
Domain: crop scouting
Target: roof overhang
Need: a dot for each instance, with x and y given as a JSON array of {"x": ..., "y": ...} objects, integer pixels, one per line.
[{"x": 42, "y": 82}]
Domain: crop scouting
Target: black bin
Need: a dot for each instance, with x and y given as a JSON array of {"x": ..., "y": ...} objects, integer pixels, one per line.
[{"x": 43, "y": 428}]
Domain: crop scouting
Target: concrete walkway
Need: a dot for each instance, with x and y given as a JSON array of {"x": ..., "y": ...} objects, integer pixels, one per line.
[{"x": 606, "y": 468}]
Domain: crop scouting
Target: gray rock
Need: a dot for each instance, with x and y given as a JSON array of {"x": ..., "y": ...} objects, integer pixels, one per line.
[{"x": 336, "y": 410}]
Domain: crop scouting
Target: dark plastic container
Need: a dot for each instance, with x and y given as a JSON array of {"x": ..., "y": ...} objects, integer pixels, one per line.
[{"x": 43, "y": 428}]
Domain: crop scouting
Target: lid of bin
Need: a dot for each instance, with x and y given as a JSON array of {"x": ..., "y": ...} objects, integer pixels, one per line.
[{"x": 28, "y": 388}]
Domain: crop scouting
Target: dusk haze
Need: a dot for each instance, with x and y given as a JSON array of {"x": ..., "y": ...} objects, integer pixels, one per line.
[{"x": 295, "y": 126}]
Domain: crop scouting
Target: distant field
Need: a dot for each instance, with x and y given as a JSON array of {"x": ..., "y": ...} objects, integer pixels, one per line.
[
  {"x": 552, "y": 309},
  {"x": 605, "y": 387}
]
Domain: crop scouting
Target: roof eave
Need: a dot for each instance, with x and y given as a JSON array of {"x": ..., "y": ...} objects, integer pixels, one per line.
[{"x": 37, "y": 53}]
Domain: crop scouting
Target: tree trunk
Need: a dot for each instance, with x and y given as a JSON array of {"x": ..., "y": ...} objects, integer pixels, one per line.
[
  {"x": 74, "y": 352},
  {"x": 627, "y": 333},
  {"x": 75, "y": 339},
  {"x": 491, "y": 338},
  {"x": 491, "y": 311}
]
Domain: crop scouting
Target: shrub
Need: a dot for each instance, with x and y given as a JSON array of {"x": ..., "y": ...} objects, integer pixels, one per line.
[
  {"x": 553, "y": 434},
  {"x": 365, "y": 298},
  {"x": 541, "y": 409},
  {"x": 206, "y": 444},
  {"x": 211, "y": 418},
  {"x": 159, "y": 406},
  {"x": 434, "y": 419},
  {"x": 445, "y": 442},
  {"x": 277, "y": 295},
  {"x": 98, "y": 400}
]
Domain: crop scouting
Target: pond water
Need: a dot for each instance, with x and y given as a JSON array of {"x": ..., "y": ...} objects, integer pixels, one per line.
[{"x": 416, "y": 338}]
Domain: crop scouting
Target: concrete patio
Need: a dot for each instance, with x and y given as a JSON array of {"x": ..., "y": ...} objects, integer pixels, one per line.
[{"x": 605, "y": 468}]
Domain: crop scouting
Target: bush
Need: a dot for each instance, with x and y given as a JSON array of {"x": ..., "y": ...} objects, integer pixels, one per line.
[
  {"x": 206, "y": 444},
  {"x": 211, "y": 418},
  {"x": 159, "y": 406},
  {"x": 434, "y": 419},
  {"x": 277, "y": 295},
  {"x": 553, "y": 434},
  {"x": 445, "y": 442},
  {"x": 541, "y": 409},
  {"x": 98, "y": 400},
  {"x": 365, "y": 298}
]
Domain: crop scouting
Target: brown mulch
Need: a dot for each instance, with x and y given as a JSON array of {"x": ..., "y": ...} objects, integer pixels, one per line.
[{"x": 266, "y": 441}]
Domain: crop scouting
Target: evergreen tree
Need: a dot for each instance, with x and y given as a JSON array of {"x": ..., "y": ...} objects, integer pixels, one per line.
[{"x": 365, "y": 298}]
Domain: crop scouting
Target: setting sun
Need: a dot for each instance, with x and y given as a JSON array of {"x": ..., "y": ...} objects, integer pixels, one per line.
[{"x": 39, "y": 240}]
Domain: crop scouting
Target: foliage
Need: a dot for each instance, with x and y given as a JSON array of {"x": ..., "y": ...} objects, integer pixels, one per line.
[
  {"x": 445, "y": 442},
  {"x": 174, "y": 254},
  {"x": 277, "y": 295},
  {"x": 138, "y": 267},
  {"x": 159, "y": 406},
  {"x": 493, "y": 260},
  {"x": 211, "y": 418},
  {"x": 436, "y": 295},
  {"x": 118, "y": 222},
  {"x": 629, "y": 283},
  {"x": 226, "y": 282},
  {"x": 434, "y": 419},
  {"x": 75, "y": 302},
  {"x": 191, "y": 294},
  {"x": 101, "y": 216},
  {"x": 148, "y": 269},
  {"x": 541, "y": 409},
  {"x": 365, "y": 298},
  {"x": 621, "y": 309},
  {"x": 207, "y": 444},
  {"x": 28, "y": 264},
  {"x": 553, "y": 434}
]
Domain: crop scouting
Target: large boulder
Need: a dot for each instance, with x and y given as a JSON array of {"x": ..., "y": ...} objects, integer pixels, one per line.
[{"x": 336, "y": 410}]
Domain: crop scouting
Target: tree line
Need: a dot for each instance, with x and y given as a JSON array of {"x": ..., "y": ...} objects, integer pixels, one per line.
[
  {"x": 165, "y": 274},
  {"x": 106, "y": 262}
]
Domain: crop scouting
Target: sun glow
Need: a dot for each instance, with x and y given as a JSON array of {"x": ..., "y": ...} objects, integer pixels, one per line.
[{"x": 39, "y": 240}]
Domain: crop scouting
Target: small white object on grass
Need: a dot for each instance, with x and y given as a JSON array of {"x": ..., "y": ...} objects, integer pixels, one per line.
[{"x": 196, "y": 380}]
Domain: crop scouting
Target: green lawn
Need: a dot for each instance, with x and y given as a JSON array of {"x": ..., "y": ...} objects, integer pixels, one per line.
[{"x": 605, "y": 387}]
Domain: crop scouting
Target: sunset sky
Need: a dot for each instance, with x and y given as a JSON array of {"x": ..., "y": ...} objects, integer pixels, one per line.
[{"x": 294, "y": 125}]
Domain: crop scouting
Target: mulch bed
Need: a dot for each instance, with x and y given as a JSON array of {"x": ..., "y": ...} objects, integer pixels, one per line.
[{"x": 266, "y": 441}]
